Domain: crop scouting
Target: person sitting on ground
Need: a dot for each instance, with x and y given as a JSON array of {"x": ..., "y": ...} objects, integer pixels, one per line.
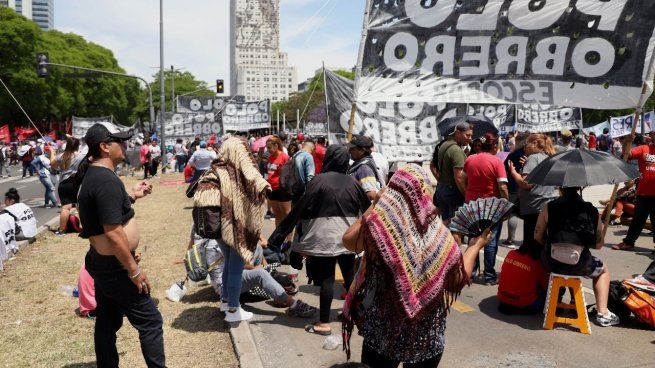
[
  {"x": 254, "y": 275},
  {"x": 624, "y": 204},
  {"x": 567, "y": 227},
  {"x": 23, "y": 213},
  {"x": 408, "y": 252},
  {"x": 523, "y": 282},
  {"x": 331, "y": 203}
]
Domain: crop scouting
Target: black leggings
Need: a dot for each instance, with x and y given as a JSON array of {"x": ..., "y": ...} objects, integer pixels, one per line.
[
  {"x": 529, "y": 224},
  {"x": 372, "y": 358},
  {"x": 321, "y": 270}
]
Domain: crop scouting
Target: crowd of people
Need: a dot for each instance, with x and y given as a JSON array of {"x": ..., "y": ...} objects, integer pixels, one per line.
[{"x": 387, "y": 228}]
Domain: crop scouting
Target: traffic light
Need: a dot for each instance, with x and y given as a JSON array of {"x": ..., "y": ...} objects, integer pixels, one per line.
[
  {"x": 220, "y": 86},
  {"x": 42, "y": 69}
]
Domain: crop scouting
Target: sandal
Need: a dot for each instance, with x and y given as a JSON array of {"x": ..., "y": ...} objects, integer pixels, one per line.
[
  {"x": 623, "y": 246},
  {"x": 311, "y": 329}
]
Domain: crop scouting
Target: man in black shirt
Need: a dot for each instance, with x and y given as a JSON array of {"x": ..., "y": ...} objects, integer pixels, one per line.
[{"x": 122, "y": 288}]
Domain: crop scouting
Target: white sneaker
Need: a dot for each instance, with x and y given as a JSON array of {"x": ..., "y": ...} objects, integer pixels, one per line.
[
  {"x": 224, "y": 307},
  {"x": 238, "y": 315},
  {"x": 610, "y": 319}
]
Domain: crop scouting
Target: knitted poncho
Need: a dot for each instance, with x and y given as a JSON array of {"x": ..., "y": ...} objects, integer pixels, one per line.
[
  {"x": 413, "y": 243},
  {"x": 241, "y": 194}
]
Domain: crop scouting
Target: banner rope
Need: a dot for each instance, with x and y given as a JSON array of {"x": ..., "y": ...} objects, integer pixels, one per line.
[
  {"x": 308, "y": 101},
  {"x": 21, "y": 109}
]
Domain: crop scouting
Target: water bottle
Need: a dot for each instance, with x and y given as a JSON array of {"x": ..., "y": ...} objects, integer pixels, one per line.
[
  {"x": 66, "y": 290},
  {"x": 76, "y": 293},
  {"x": 332, "y": 342}
]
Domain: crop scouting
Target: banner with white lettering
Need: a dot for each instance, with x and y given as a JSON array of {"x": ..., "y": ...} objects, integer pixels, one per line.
[
  {"x": 81, "y": 125},
  {"x": 188, "y": 125},
  {"x": 501, "y": 115},
  {"x": 622, "y": 125},
  {"x": 401, "y": 131},
  {"x": 245, "y": 116},
  {"x": 543, "y": 118},
  {"x": 190, "y": 104},
  {"x": 580, "y": 53},
  {"x": 316, "y": 129}
]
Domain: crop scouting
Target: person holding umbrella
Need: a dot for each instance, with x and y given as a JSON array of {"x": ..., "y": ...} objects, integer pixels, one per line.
[{"x": 568, "y": 226}]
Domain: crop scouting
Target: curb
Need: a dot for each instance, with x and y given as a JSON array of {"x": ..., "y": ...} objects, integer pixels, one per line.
[
  {"x": 244, "y": 345},
  {"x": 39, "y": 231}
]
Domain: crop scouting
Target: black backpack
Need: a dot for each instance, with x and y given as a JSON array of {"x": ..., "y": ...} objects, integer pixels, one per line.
[
  {"x": 603, "y": 143},
  {"x": 290, "y": 182}
]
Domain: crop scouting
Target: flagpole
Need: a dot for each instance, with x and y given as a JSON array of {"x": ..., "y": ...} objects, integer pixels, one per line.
[{"x": 327, "y": 109}]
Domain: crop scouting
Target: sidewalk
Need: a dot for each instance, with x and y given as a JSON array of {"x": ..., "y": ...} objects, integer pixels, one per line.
[{"x": 477, "y": 335}]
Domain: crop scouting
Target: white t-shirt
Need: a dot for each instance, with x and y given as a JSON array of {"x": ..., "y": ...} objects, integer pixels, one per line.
[
  {"x": 155, "y": 151},
  {"x": 26, "y": 219},
  {"x": 7, "y": 234}
]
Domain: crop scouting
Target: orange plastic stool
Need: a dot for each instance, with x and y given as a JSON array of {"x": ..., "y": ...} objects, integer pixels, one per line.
[{"x": 557, "y": 282}]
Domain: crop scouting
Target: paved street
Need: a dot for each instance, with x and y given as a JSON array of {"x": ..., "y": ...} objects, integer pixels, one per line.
[
  {"x": 477, "y": 335},
  {"x": 31, "y": 192}
]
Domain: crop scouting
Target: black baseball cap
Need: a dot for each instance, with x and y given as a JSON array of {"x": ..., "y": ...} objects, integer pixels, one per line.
[
  {"x": 105, "y": 132},
  {"x": 360, "y": 141}
]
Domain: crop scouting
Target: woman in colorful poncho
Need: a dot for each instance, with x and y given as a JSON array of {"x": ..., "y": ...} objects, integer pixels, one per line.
[{"x": 411, "y": 273}]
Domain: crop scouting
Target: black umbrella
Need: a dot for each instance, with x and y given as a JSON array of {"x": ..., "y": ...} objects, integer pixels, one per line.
[
  {"x": 581, "y": 168},
  {"x": 480, "y": 126}
]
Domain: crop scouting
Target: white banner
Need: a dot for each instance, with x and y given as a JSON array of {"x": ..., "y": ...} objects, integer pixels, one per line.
[{"x": 598, "y": 128}]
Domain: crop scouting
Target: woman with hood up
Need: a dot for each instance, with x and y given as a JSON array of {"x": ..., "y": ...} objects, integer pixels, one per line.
[{"x": 332, "y": 202}]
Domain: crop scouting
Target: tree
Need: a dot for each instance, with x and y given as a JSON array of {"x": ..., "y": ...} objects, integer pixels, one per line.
[
  {"x": 185, "y": 83},
  {"x": 57, "y": 97}
]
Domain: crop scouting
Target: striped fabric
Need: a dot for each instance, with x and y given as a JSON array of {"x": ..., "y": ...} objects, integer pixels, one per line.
[{"x": 413, "y": 243}]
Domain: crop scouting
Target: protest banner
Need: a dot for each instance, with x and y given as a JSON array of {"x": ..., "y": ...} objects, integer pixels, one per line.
[
  {"x": 245, "y": 116},
  {"x": 187, "y": 125},
  {"x": 402, "y": 131},
  {"x": 5, "y": 134},
  {"x": 316, "y": 129},
  {"x": 543, "y": 118},
  {"x": 598, "y": 128},
  {"x": 503, "y": 116},
  {"x": 190, "y": 104},
  {"x": 581, "y": 53},
  {"x": 622, "y": 125},
  {"x": 81, "y": 125}
]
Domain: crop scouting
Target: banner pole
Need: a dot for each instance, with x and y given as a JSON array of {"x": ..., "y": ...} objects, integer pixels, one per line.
[
  {"x": 351, "y": 122},
  {"x": 278, "y": 121},
  {"x": 284, "y": 121},
  {"x": 327, "y": 109}
]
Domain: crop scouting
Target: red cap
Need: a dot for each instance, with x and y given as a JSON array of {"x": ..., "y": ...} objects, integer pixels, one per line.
[{"x": 301, "y": 137}]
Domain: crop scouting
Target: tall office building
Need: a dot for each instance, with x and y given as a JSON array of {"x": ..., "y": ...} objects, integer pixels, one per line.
[
  {"x": 259, "y": 70},
  {"x": 40, "y": 11},
  {"x": 43, "y": 13}
]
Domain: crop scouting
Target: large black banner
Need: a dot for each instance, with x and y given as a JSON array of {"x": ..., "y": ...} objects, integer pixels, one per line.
[
  {"x": 579, "y": 53},
  {"x": 402, "y": 131},
  {"x": 245, "y": 116},
  {"x": 501, "y": 115},
  {"x": 188, "y": 125},
  {"x": 541, "y": 118}
]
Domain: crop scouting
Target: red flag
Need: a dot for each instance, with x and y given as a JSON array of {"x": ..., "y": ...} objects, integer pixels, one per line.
[
  {"x": 23, "y": 133},
  {"x": 212, "y": 140},
  {"x": 5, "y": 135}
]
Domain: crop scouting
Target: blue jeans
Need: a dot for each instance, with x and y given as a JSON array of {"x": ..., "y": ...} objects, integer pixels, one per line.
[
  {"x": 180, "y": 162},
  {"x": 232, "y": 275},
  {"x": 49, "y": 190},
  {"x": 448, "y": 199},
  {"x": 490, "y": 251}
]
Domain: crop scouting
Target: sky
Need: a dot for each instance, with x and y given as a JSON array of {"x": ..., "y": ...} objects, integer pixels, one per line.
[{"x": 196, "y": 33}]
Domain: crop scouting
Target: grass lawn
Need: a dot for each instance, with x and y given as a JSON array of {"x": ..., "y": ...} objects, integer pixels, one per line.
[{"x": 39, "y": 327}]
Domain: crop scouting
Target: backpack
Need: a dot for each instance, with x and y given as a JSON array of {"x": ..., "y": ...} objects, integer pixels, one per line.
[
  {"x": 206, "y": 211},
  {"x": 29, "y": 155},
  {"x": 641, "y": 304},
  {"x": 17, "y": 230},
  {"x": 195, "y": 262},
  {"x": 290, "y": 182}
]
